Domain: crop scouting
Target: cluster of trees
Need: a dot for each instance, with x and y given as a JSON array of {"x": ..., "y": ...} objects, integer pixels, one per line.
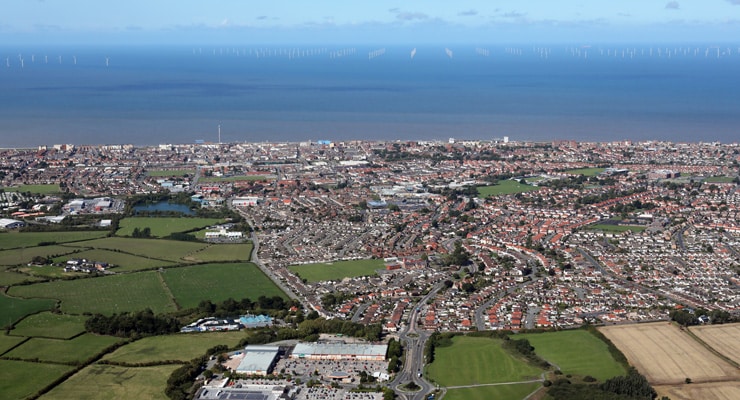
[
  {"x": 459, "y": 256},
  {"x": 523, "y": 347},
  {"x": 142, "y": 233},
  {"x": 437, "y": 340},
  {"x": 633, "y": 386},
  {"x": 395, "y": 355},
  {"x": 231, "y": 307},
  {"x": 688, "y": 318},
  {"x": 132, "y": 324}
]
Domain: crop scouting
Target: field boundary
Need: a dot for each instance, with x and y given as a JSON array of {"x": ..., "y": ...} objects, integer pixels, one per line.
[
  {"x": 168, "y": 291},
  {"x": 712, "y": 349}
]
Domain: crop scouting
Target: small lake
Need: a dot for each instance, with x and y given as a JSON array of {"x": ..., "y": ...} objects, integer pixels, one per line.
[{"x": 165, "y": 206}]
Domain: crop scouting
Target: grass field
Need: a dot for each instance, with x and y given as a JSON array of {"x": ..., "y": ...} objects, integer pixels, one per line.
[
  {"x": 173, "y": 172},
  {"x": 8, "y": 342},
  {"x": 585, "y": 171},
  {"x": 575, "y": 352},
  {"x": 106, "y": 295},
  {"x": 337, "y": 270},
  {"x": 14, "y": 240},
  {"x": 12, "y": 309},
  {"x": 724, "y": 339},
  {"x": 114, "y": 383},
  {"x": 477, "y": 361},
  {"x": 78, "y": 349},
  {"x": 666, "y": 355},
  {"x": 181, "y": 346},
  {"x": 616, "y": 228},
  {"x": 223, "y": 252},
  {"x": 218, "y": 282},
  {"x": 8, "y": 278},
  {"x": 504, "y": 187},
  {"x": 40, "y": 189},
  {"x": 233, "y": 178},
  {"x": 175, "y": 250},
  {"x": 19, "y": 379},
  {"x": 703, "y": 391},
  {"x": 498, "y": 392},
  {"x": 162, "y": 227},
  {"x": 122, "y": 261},
  {"x": 50, "y": 325},
  {"x": 24, "y": 255},
  {"x": 719, "y": 179}
]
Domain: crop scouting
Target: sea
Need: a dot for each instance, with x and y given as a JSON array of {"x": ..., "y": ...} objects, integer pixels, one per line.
[{"x": 150, "y": 95}]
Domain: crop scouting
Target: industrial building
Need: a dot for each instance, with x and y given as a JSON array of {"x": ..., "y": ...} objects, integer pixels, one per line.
[
  {"x": 340, "y": 351},
  {"x": 258, "y": 360},
  {"x": 6, "y": 223}
]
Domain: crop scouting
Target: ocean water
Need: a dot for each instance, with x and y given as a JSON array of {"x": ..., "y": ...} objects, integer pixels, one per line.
[{"x": 152, "y": 95}]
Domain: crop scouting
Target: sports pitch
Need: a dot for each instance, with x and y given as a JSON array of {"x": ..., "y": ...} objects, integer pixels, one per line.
[{"x": 337, "y": 270}]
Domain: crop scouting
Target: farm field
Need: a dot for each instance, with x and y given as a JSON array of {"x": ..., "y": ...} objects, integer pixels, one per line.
[
  {"x": 50, "y": 325},
  {"x": 585, "y": 171},
  {"x": 666, "y": 355},
  {"x": 181, "y": 347},
  {"x": 504, "y": 187},
  {"x": 703, "y": 391},
  {"x": 478, "y": 361},
  {"x": 14, "y": 240},
  {"x": 25, "y": 255},
  {"x": 116, "y": 382},
  {"x": 162, "y": 227},
  {"x": 12, "y": 308},
  {"x": 78, "y": 349},
  {"x": 218, "y": 282},
  {"x": 223, "y": 252},
  {"x": 170, "y": 250},
  {"x": 16, "y": 382},
  {"x": 40, "y": 189},
  {"x": 502, "y": 392},
  {"x": 337, "y": 270},
  {"x": 724, "y": 339},
  {"x": 575, "y": 352},
  {"x": 105, "y": 295},
  {"x": 123, "y": 262},
  {"x": 8, "y": 278},
  {"x": 8, "y": 342}
]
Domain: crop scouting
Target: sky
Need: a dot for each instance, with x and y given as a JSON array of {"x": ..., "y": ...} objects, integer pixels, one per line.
[{"x": 377, "y": 21}]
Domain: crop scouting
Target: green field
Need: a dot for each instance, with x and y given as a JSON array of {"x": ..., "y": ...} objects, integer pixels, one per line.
[
  {"x": 576, "y": 352},
  {"x": 223, "y": 252},
  {"x": 12, "y": 309},
  {"x": 8, "y": 278},
  {"x": 504, "y": 187},
  {"x": 165, "y": 173},
  {"x": 337, "y": 270},
  {"x": 218, "y": 282},
  {"x": 164, "y": 226},
  {"x": 114, "y": 383},
  {"x": 36, "y": 189},
  {"x": 719, "y": 179},
  {"x": 499, "y": 392},
  {"x": 181, "y": 346},
  {"x": 233, "y": 178},
  {"x": 171, "y": 250},
  {"x": 478, "y": 360},
  {"x": 19, "y": 379},
  {"x": 616, "y": 228},
  {"x": 8, "y": 342},
  {"x": 105, "y": 295},
  {"x": 24, "y": 255},
  {"x": 78, "y": 349},
  {"x": 585, "y": 171},
  {"x": 122, "y": 261},
  {"x": 50, "y": 325},
  {"x": 14, "y": 240}
]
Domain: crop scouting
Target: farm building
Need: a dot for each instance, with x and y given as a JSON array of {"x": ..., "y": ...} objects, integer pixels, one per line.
[
  {"x": 340, "y": 351},
  {"x": 6, "y": 223},
  {"x": 258, "y": 360}
]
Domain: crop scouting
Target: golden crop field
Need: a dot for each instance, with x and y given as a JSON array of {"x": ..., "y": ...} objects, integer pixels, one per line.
[
  {"x": 667, "y": 356},
  {"x": 724, "y": 339},
  {"x": 704, "y": 391}
]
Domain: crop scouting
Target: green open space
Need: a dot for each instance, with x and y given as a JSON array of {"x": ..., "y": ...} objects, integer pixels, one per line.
[
  {"x": 171, "y": 250},
  {"x": 180, "y": 347},
  {"x": 12, "y": 308},
  {"x": 20, "y": 379},
  {"x": 46, "y": 324},
  {"x": 12, "y": 240},
  {"x": 478, "y": 360},
  {"x": 576, "y": 352},
  {"x": 78, "y": 349},
  {"x": 504, "y": 187},
  {"x": 585, "y": 171},
  {"x": 36, "y": 189},
  {"x": 122, "y": 262},
  {"x": 499, "y": 392},
  {"x": 337, "y": 270},
  {"x": 233, "y": 178},
  {"x": 218, "y": 282},
  {"x": 8, "y": 278},
  {"x": 114, "y": 383},
  {"x": 163, "y": 226},
  {"x": 8, "y": 342},
  {"x": 48, "y": 272},
  {"x": 223, "y": 252},
  {"x": 105, "y": 295},
  {"x": 616, "y": 228},
  {"x": 171, "y": 172},
  {"x": 719, "y": 179},
  {"x": 24, "y": 256}
]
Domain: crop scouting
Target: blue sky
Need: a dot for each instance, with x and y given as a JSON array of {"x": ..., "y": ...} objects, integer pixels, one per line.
[{"x": 376, "y": 21}]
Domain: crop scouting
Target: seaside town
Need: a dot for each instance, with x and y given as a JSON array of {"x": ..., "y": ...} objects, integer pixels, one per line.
[{"x": 492, "y": 235}]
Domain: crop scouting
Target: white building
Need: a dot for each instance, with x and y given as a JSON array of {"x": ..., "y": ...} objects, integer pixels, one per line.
[{"x": 6, "y": 223}]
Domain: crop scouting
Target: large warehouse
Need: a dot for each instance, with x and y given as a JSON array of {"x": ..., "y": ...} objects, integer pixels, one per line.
[
  {"x": 258, "y": 360},
  {"x": 340, "y": 351}
]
